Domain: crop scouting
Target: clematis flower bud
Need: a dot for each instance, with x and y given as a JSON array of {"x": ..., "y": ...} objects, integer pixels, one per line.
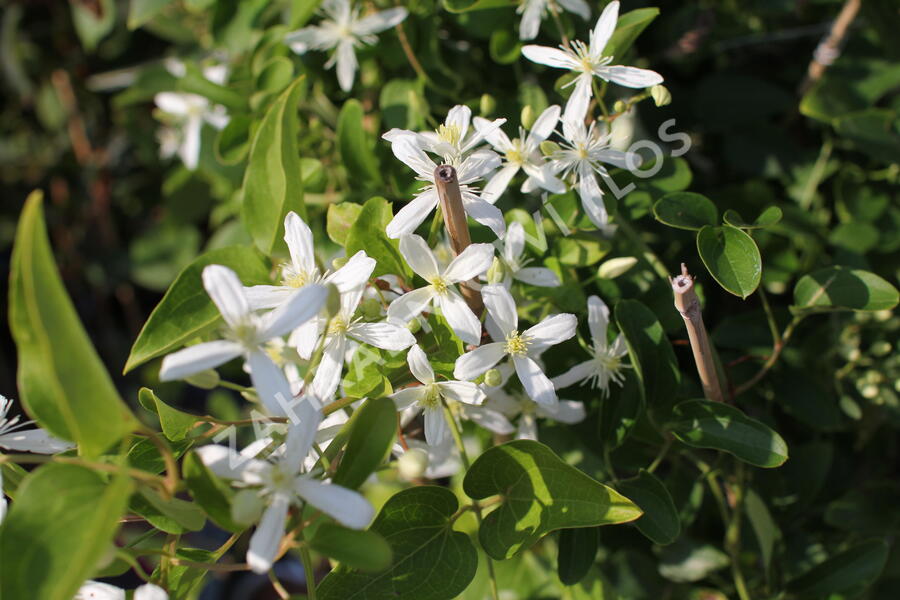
[
  {"x": 412, "y": 463},
  {"x": 661, "y": 95},
  {"x": 493, "y": 378}
]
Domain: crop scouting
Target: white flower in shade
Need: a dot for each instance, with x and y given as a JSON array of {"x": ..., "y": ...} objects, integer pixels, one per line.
[
  {"x": 472, "y": 262},
  {"x": 514, "y": 261},
  {"x": 429, "y": 398},
  {"x": 521, "y": 153},
  {"x": 342, "y": 328},
  {"x": 606, "y": 364},
  {"x": 281, "y": 482},
  {"x": 519, "y": 346},
  {"x": 452, "y": 141},
  {"x": 440, "y": 461},
  {"x": 190, "y": 111},
  {"x": 588, "y": 61},
  {"x": 475, "y": 166},
  {"x": 246, "y": 334},
  {"x": 565, "y": 411},
  {"x": 534, "y": 11},
  {"x": 582, "y": 154},
  {"x": 96, "y": 590},
  {"x": 301, "y": 271},
  {"x": 344, "y": 30}
]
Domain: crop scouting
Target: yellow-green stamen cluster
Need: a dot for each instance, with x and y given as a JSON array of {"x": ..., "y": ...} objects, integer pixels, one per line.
[
  {"x": 431, "y": 397},
  {"x": 516, "y": 344},
  {"x": 439, "y": 285},
  {"x": 450, "y": 134},
  {"x": 337, "y": 326}
]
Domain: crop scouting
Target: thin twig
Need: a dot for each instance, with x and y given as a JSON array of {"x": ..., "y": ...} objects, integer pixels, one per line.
[
  {"x": 688, "y": 305},
  {"x": 829, "y": 48}
]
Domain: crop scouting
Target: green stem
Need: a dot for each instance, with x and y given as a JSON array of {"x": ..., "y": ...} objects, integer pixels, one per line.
[
  {"x": 660, "y": 455},
  {"x": 435, "y": 230},
  {"x": 599, "y": 93},
  {"x": 233, "y": 386},
  {"x": 607, "y": 463},
  {"x": 770, "y": 316},
  {"x": 733, "y": 534},
  {"x": 309, "y": 572},
  {"x": 773, "y": 357}
]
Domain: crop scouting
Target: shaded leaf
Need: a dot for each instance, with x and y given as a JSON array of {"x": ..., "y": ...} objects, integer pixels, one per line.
[
  {"x": 660, "y": 521},
  {"x": 363, "y": 550},
  {"x": 686, "y": 210},
  {"x": 856, "y": 567},
  {"x": 731, "y": 257},
  {"x": 372, "y": 430},
  {"x": 650, "y": 351},
  {"x": 842, "y": 288},
  {"x": 577, "y": 551}
]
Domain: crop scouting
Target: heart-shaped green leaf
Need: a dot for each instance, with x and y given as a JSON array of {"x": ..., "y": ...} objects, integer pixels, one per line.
[
  {"x": 706, "y": 424},
  {"x": 541, "y": 493},
  {"x": 841, "y": 288},
  {"x": 732, "y": 258},
  {"x": 431, "y": 560},
  {"x": 686, "y": 210},
  {"x": 660, "y": 521}
]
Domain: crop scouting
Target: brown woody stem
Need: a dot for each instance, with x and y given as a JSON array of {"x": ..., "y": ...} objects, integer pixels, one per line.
[{"x": 688, "y": 305}]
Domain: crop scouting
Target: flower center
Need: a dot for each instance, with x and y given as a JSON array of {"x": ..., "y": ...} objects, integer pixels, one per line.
[
  {"x": 245, "y": 333},
  {"x": 431, "y": 399},
  {"x": 337, "y": 326},
  {"x": 515, "y": 155},
  {"x": 516, "y": 344},
  {"x": 450, "y": 134},
  {"x": 439, "y": 284}
]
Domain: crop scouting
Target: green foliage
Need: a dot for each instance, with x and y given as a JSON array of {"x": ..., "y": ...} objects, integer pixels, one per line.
[
  {"x": 577, "y": 551},
  {"x": 846, "y": 572},
  {"x": 373, "y": 428},
  {"x": 686, "y": 210},
  {"x": 650, "y": 352},
  {"x": 660, "y": 520},
  {"x": 839, "y": 288},
  {"x": 363, "y": 550},
  {"x": 367, "y": 233},
  {"x": 732, "y": 258},
  {"x": 355, "y": 148}
]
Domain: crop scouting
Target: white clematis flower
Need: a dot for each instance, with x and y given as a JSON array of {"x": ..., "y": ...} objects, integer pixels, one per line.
[
  {"x": 582, "y": 154},
  {"x": 475, "y": 166},
  {"x": 429, "y": 397},
  {"x": 606, "y": 364},
  {"x": 281, "y": 483},
  {"x": 588, "y": 61},
  {"x": 514, "y": 261},
  {"x": 472, "y": 262},
  {"x": 522, "y": 153},
  {"x": 246, "y": 335},
  {"x": 565, "y": 411},
  {"x": 452, "y": 141},
  {"x": 343, "y": 30},
  {"x": 534, "y": 11},
  {"x": 96, "y": 590},
  {"x": 520, "y": 347}
]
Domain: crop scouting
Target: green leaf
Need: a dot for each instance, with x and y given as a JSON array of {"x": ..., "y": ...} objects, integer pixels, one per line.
[
  {"x": 209, "y": 492},
  {"x": 687, "y": 560},
  {"x": 767, "y": 218},
  {"x": 505, "y": 47},
  {"x": 842, "y": 288},
  {"x": 706, "y": 424},
  {"x": 871, "y": 131},
  {"x": 620, "y": 411},
  {"x": 93, "y": 21},
  {"x": 272, "y": 182},
  {"x": 233, "y": 141},
  {"x": 686, "y": 210},
  {"x": 628, "y": 28},
  {"x": 660, "y": 521},
  {"x": 58, "y": 530},
  {"x": 175, "y": 424},
  {"x": 732, "y": 258},
  {"x": 363, "y": 550},
  {"x": 142, "y": 11},
  {"x": 365, "y": 375},
  {"x": 355, "y": 147},
  {"x": 180, "y": 580},
  {"x": 62, "y": 382},
  {"x": 275, "y": 75},
  {"x": 195, "y": 82},
  {"x": 186, "y": 310},
  {"x": 853, "y": 568},
  {"x": 403, "y": 104},
  {"x": 581, "y": 250},
  {"x": 431, "y": 560},
  {"x": 540, "y": 493},
  {"x": 650, "y": 351},
  {"x": 372, "y": 431},
  {"x": 341, "y": 218},
  {"x": 577, "y": 551},
  {"x": 459, "y": 6},
  {"x": 367, "y": 233},
  {"x": 172, "y": 516},
  {"x": 764, "y": 527}
]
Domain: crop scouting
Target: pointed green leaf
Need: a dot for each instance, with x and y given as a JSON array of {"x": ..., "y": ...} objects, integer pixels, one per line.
[
  {"x": 577, "y": 551},
  {"x": 541, "y": 493},
  {"x": 620, "y": 411},
  {"x": 62, "y": 382},
  {"x": 764, "y": 527},
  {"x": 142, "y": 11},
  {"x": 432, "y": 561},
  {"x": 651, "y": 353},
  {"x": 660, "y": 521},
  {"x": 768, "y": 217},
  {"x": 175, "y": 424},
  {"x": 628, "y": 28},
  {"x": 356, "y": 148},
  {"x": 340, "y": 219},
  {"x": 272, "y": 183},
  {"x": 732, "y": 258},
  {"x": 210, "y": 493},
  {"x": 172, "y": 516},
  {"x": 459, "y": 6},
  {"x": 854, "y": 568},
  {"x": 842, "y": 288},
  {"x": 367, "y": 233},
  {"x": 58, "y": 530},
  {"x": 686, "y": 210},
  {"x": 372, "y": 430},
  {"x": 363, "y": 550},
  {"x": 706, "y": 424},
  {"x": 186, "y": 310}
]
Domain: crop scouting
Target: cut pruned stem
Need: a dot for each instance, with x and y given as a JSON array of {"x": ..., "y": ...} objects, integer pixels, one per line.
[
  {"x": 688, "y": 305},
  {"x": 447, "y": 185}
]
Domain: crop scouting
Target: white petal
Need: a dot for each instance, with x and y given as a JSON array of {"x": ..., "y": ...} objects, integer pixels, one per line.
[
  {"x": 267, "y": 537},
  {"x": 435, "y": 426},
  {"x": 527, "y": 428},
  {"x": 592, "y": 198},
  {"x": 301, "y": 435},
  {"x": 346, "y": 506},
  {"x": 419, "y": 257},
  {"x": 460, "y": 317},
  {"x": 227, "y": 292},
  {"x": 386, "y": 336},
  {"x": 96, "y": 590},
  {"x": 271, "y": 385},
  {"x": 531, "y": 19},
  {"x": 309, "y": 38},
  {"x": 355, "y": 272},
  {"x": 543, "y": 176},
  {"x": 172, "y": 103},
  {"x": 346, "y": 64},
  {"x": 538, "y": 276},
  {"x": 485, "y": 213},
  {"x": 407, "y": 397},
  {"x": 227, "y": 463},
  {"x": 579, "y": 7},
  {"x": 472, "y": 364},
  {"x": 545, "y": 124},
  {"x": 553, "y": 330},
  {"x": 491, "y": 420},
  {"x": 579, "y": 372},
  {"x": 498, "y": 183},
  {"x": 419, "y": 365},
  {"x": 411, "y": 216},
  {"x": 350, "y": 301},
  {"x": 501, "y": 307},
  {"x": 200, "y": 357},
  {"x": 566, "y": 411},
  {"x": 462, "y": 391},
  {"x": 471, "y": 262},
  {"x": 630, "y": 76},
  {"x": 148, "y": 591},
  {"x": 538, "y": 387},
  {"x": 552, "y": 57},
  {"x": 459, "y": 116},
  {"x": 190, "y": 146},
  {"x": 578, "y": 102},
  {"x": 378, "y": 22},
  {"x": 306, "y": 337},
  {"x": 300, "y": 307},
  {"x": 408, "y": 151},
  {"x": 604, "y": 29},
  {"x": 598, "y": 319},
  {"x": 261, "y": 297},
  {"x": 514, "y": 242},
  {"x": 299, "y": 240},
  {"x": 409, "y": 305},
  {"x": 33, "y": 440},
  {"x": 493, "y": 134},
  {"x": 617, "y": 158},
  {"x": 619, "y": 347},
  {"x": 328, "y": 374}
]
